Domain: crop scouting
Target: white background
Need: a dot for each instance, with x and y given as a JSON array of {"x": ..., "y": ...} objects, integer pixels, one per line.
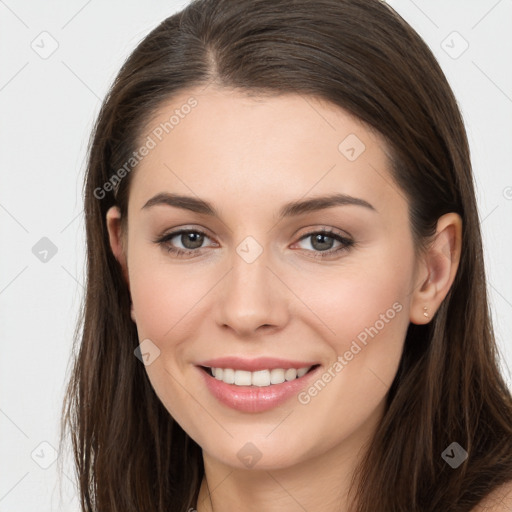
[{"x": 47, "y": 109}]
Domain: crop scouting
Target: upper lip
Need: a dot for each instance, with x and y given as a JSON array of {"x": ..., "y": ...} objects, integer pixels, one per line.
[{"x": 253, "y": 365}]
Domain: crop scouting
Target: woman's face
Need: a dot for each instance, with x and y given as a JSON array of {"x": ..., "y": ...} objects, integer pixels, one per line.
[{"x": 263, "y": 281}]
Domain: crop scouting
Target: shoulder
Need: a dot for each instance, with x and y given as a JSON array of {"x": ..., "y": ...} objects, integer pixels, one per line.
[{"x": 499, "y": 500}]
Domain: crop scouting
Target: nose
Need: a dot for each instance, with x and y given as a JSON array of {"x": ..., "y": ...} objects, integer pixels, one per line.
[{"x": 251, "y": 299}]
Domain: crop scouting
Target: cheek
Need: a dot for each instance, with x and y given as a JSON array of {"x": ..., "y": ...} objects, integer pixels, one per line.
[
  {"x": 167, "y": 304},
  {"x": 165, "y": 297},
  {"x": 356, "y": 301},
  {"x": 368, "y": 313}
]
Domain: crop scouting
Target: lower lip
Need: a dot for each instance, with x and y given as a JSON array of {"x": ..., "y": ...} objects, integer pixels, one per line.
[{"x": 255, "y": 398}]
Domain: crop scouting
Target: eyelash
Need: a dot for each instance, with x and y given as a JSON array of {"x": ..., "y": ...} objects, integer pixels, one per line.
[{"x": 347, "y": 243}]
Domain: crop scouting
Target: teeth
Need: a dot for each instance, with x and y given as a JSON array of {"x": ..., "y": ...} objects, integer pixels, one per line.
[
  {"x": 261, "y": 378},
  {"x": 242, "y": 378},
  {"x": 302, "y": 371},
  {"x": 228, "y": 375}
]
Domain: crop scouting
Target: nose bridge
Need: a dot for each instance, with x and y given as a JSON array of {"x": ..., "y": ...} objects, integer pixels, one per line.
[
  {"x": 250, "y": 295},
  {"x": 249, "y": 277}
]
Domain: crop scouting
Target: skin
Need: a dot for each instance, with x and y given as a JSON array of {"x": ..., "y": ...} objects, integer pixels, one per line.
[{"x": 249, "y": 156}]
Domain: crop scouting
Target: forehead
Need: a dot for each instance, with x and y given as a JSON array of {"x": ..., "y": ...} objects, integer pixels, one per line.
[{"x": 221, "y": 142}]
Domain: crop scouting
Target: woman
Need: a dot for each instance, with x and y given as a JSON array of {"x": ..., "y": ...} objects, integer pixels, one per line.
[{"x": 286, "y": 302}]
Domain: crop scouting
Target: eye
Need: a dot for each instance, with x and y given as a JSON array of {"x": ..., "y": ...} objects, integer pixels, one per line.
[
  {"x": 191, "y": 241},
  {"x": 322, "y": 243}
]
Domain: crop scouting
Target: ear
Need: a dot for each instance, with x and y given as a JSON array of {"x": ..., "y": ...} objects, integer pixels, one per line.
[
  {"x": 118, "y": 243},
  {"x": 437, "y": 269}
]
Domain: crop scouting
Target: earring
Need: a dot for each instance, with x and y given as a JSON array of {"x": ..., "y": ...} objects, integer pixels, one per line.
[{"x": 425, "y": 311}]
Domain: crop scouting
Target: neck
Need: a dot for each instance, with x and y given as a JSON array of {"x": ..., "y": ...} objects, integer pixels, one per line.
[{"x": 318, "y": 484}]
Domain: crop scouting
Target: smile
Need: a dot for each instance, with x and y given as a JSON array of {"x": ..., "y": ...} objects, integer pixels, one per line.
[{"x": 256, "y": 391}]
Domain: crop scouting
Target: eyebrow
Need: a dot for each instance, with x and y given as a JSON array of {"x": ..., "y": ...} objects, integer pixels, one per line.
[{"x": 291, "y": 209}]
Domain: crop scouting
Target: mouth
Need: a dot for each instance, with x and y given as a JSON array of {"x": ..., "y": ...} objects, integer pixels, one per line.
[
  {"x": 257, "y": 391},
  {"x": 259, "y": 378}
]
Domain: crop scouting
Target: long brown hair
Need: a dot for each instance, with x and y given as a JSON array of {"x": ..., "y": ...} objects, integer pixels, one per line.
[{"x": 359, "y": 55}]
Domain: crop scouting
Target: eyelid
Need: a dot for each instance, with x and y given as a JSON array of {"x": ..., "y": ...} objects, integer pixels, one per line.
[
  {"x": 184, "y": 229},
  {"x": 311, "y": 230}
]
